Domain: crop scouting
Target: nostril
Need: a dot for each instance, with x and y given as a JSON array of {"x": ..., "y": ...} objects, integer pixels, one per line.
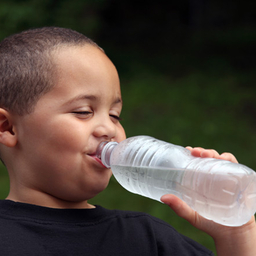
[{"x": 106, "y": 131}]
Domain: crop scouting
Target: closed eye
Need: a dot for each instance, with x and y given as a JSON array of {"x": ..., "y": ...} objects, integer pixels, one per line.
[
  {"x": 82, "y": 112},
  {"x": 118, "y": 118}
]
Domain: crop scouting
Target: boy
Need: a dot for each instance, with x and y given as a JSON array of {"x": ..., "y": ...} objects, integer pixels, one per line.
[{"x": 59, "y": 98}]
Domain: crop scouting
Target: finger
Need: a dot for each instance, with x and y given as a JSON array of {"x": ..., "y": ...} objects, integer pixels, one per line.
[
  {"x": 229, "y": 157},
  {"x": 180, "y": 208},
  {"x": 185, "y": 212},
  {"x": 209, "y": 153},
  {"x": 196, "y": 151},
  {"x": 201, "y": 152}
]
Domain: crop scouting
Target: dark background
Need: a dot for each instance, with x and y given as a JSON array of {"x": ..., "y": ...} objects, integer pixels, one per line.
[{"x": 187, "y": 71}]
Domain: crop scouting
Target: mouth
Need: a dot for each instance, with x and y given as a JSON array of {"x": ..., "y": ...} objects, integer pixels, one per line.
[{"x": 94, "y": 156}]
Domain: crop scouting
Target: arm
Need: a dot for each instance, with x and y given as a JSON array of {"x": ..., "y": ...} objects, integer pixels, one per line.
[{"x": 235, "y": 241}]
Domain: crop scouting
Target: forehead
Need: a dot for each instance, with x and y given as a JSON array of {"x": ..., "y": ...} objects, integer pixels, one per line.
[
  {"x": 84, "y": 68},
  {"x": 83, "y": 58},
  {"x": 86, "y": 60}
]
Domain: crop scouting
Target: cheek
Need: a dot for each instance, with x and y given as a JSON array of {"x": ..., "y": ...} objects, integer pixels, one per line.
[
  {"x": 67, "y": 137},
  {"x": 121, "y": 134},
  {"x": 62, "y": 133}
]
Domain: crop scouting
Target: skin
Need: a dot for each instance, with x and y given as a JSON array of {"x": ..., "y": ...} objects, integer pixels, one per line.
[
  {"x": 229, "y": 241},
  {"x": 54, "y": 146}
]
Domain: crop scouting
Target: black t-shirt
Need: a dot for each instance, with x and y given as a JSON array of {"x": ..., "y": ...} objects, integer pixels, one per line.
[{"x": 34, "y": 230}]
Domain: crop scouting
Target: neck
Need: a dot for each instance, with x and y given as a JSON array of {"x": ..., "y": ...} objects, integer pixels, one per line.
[{"x": 46, "y": 200}]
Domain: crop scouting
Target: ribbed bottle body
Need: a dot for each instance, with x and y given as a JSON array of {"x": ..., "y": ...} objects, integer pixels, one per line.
[{"x": 219, "y": 190}]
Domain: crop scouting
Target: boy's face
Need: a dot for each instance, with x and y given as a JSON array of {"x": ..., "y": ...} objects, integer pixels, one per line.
[{"x": 59, "y": 139}]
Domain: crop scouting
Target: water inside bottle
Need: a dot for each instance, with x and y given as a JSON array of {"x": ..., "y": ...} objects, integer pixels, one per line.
[
  {"x": 149, "y": 181},
  {"x": 226, "y": 199}
]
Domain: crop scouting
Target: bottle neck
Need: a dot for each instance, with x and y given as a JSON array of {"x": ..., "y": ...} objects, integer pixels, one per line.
[{"x": 104, "y": 152}]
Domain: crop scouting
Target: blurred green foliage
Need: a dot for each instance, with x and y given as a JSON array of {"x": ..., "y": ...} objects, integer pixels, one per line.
[{"x": 186, "y": 78}]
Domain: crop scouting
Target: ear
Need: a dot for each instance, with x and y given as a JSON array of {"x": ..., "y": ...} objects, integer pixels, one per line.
[{"x": 7, "y": 135}]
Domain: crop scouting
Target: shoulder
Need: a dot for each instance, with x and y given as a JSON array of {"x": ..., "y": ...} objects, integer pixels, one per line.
[
  {"x": 150, "y": 228},
  {"x": 143, "y": 219}
]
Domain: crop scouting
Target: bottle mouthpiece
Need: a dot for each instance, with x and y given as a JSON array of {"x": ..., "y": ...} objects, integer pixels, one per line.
[{"x": 104, "y": 151}]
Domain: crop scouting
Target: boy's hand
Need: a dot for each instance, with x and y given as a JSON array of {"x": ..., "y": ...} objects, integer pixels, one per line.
[
  {"x": 228, "y": 240},
  {"x": 201, "y": 152},
  {"x": 182, "y": 209}
]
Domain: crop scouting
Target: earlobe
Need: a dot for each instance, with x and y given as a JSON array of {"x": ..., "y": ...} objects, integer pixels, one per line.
[{"x": 7, "y": 134}]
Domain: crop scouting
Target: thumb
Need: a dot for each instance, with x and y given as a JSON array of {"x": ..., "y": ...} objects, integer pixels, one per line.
[{"x": 181, "y": 209}]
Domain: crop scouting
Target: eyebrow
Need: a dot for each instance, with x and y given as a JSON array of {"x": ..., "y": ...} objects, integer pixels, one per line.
[{"x": 90, "y": 97}]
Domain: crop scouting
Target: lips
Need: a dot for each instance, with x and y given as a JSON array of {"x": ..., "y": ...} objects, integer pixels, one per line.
[
  {"x": 97, "y": 159},
  {"x": 96, "y": 155}
]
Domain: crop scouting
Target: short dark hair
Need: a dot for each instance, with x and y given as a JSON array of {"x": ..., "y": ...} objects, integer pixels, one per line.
[{"x": 27, "y": 70}]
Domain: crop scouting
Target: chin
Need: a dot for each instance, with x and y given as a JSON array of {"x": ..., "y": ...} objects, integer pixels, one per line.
[{"x": 98, "y": 188}]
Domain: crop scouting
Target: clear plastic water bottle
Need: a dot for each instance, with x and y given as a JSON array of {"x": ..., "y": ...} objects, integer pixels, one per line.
[{"x": 218, "y": 190}]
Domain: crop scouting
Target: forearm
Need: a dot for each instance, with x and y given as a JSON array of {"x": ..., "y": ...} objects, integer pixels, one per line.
[{"x": 237, "y": 241}]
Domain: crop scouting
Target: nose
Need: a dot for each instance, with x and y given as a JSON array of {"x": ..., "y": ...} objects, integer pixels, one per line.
[{"x": 105, "y": 128}]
